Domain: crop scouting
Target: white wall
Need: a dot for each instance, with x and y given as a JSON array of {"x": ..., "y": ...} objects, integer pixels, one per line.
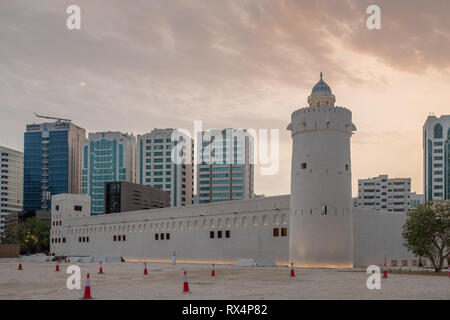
[
  {"x": 250, "y": 223},
  {"x": 378, "y": 237}
]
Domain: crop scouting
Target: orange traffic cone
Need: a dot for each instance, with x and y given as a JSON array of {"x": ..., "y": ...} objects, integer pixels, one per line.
[
  {"x": 100, "y": 271},
  {"x": 385, "y": 272},
  {"x": 87, "y": 289},
  {"x": 186, "y": 284},
  {"x": 145, "y": 269},
  {"x": 213, "y": 272},
  {"x": 292, "y": 270},
  {"x": 57, "y": 267},
  {"x": 20, "y": 265}
]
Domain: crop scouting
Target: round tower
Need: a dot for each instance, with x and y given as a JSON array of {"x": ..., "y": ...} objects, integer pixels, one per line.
[{"x": 321, "y": 227}]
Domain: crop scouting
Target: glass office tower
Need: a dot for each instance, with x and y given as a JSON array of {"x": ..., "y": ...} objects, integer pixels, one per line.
[
  {"x": 107, "y": 156},
  {"x": 52, "y": 162},
  {"x": 436, "y": 157},
  {"x": 225, "y": 169}
]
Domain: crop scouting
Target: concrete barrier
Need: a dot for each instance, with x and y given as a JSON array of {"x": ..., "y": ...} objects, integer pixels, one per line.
[
  {"x": 114, "y": 259},
  {"x": 245, "y": 262},
  {"x": 265, "y": 262}
]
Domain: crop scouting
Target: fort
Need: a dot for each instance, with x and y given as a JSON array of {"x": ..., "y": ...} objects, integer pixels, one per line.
[{"x": 315, "y": 226}]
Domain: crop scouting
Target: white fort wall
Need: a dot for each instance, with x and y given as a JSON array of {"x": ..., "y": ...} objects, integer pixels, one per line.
[
  {"x": 376, "y": 235},
  {"x": 377, "y": 238},
  {"x": 250, "y": 224}
]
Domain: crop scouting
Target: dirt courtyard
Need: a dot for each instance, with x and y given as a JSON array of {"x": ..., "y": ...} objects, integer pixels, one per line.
[{"x": 121, "y": 280}]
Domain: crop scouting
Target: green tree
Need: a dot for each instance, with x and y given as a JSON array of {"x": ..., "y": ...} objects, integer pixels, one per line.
[
  {"x": 427, "y": 232},
  {"x": 33, "y": 236}
]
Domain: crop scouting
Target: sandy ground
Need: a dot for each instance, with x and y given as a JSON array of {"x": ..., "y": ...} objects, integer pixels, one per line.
[{"x": 122, "y": 281}]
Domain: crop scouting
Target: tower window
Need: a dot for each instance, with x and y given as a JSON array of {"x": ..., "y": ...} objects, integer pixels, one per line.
[
  {"x": 284, "y": 232},
  {"x": 303, "y": 165},
  {"x": 219, "y": 234},
  {"x": 346, "y": 167},
  {"x": 211, "y": 234},
  {"x": 276, "y": 232},
  {"x": 227, "y": 233}
]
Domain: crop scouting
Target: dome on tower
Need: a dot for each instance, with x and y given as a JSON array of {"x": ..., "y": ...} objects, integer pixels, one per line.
[{"x": 321, "y": 94}]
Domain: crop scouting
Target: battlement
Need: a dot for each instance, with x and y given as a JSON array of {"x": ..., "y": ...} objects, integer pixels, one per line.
[{"x": 309, "y": 110}]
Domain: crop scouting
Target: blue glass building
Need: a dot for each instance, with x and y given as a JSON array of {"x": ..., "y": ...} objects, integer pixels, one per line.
[
  {"x": 107, "y": 156},
  {"x": 52, "y": 162}
]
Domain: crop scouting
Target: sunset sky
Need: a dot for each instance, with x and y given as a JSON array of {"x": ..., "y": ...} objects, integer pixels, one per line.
[{"x": 136, "y": 65}]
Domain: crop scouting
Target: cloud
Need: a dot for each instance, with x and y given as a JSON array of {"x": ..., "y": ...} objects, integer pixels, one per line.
[{"x": 231, "y": 63}]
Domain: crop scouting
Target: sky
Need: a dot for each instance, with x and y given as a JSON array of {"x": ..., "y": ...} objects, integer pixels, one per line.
[{"x": 136, "y": 65}]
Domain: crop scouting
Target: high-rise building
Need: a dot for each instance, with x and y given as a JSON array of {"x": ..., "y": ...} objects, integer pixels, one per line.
[
  {"x": 123, "y": 196},
  {"x": 417, "y": 200},
  {"x": 107, "y": 156},
  {"x": 52, "y": 162},
  {"x": 384, "y": 194},
  {"x": 436, "y": 158},
  {"x": 11, "y": 184},
  {"x": 158, "y": 166},
  {"x": 225, "y": 170}
]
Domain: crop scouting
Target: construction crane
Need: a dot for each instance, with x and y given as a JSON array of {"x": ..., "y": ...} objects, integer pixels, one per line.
[{"x": 52, "y": 118}]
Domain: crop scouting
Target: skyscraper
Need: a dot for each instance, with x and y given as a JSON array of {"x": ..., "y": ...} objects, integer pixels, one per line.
[
  {"x": 107, "y": 156},
  {"x": 11, "y": 183},
  {"x": 52, "y": 162},
  {"x": 155, "y": 166},
  {"x": 225, "y": 167},
  {"x": 436, "y": 157}
]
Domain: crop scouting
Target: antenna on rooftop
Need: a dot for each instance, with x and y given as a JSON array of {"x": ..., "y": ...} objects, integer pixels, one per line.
[{"x": 52, "y": 118}]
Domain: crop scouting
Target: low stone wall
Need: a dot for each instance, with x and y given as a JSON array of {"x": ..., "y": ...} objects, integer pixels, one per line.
[{"x": 9, "y": 250}]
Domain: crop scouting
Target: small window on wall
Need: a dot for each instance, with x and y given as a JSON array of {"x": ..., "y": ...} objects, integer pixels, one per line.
[
  {"x": 156, "y": 236},
  {"x": 346, "y": 167},
  {"x": 276, "y": 232},
  {"x": 162, "y": 236},
  {"x": 167, "y": 236},
  {"x": 303, "y": 165},
  {"x": 211, "y": 234},
  {"x": 394, "y": 263},
  {"x": 57, "y": 208},
  {"x": 227, "y": 234},
  {"x": 124, "y": 238},
  {"x": 119, "y": 238},
  {"x": 115, "y": 238},
  {"x": 79, "y": 239},
  {"x": 64, "y": 240},
  {"x": 219, "y": 234},
  {"x": 87, "y": 239},
  {"x": 78, "y": 208}
]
